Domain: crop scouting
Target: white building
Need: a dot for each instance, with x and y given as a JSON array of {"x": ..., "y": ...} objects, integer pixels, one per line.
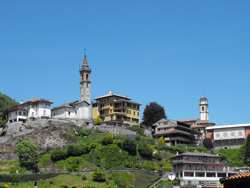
[
  {"x": 77, "y": 109},
  {"x": 32, "y": 109},
  {"x": 72, "y": 110},
  {"x": 228, "y": 136}
]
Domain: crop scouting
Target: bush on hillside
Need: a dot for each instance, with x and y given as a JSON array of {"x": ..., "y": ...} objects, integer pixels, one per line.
[
  {"x": 107, "y": 140},
  {"x": 157, "y": 156},
  {"x": 161, "y": 142},
  {"x": 84, "y": 177},
  {"x": 144, "y": 150},
  {"x": 98, "y": 121},
  {"x": 130, "y": 146},
  {"x": 98, "y": 176},
  {"x": 84, "y": 132},
  {"x": 58, "y": 155}
]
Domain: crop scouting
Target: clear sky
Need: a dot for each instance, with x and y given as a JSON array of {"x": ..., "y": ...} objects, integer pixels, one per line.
[{"x": 170, "y": 52}]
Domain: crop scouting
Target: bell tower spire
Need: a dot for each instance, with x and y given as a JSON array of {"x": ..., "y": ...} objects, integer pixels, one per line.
[
  {"x": 204, "y": 108},
  {"x": 85, "y": 81}
]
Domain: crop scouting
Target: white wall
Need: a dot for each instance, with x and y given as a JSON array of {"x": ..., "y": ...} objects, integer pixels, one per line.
[{"x": 229, "y": 133}]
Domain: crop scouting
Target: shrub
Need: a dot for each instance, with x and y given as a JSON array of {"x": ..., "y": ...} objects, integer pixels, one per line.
[
  {"x": 130, "y": 146},
  {"x": 98, "y": 176},
  {"x": 26, "y": 177},
  {"x": 73, "y": 168},
  {"x": 63, "y": 186},
  {"x": 57, "y": 155},
  {"x": 144, "y": 150},
  {"x": 21, "y": 170},
  {"x": 107, "y": 140},
  {"x": 84, "y": 132},
  {"x": 73, "y": 186},
  {"x": 157, "y": 156},
  {"x": 84, "y": 177},
  {"x": 161, "y": 142},
  {"x": 98, "y": 121}
]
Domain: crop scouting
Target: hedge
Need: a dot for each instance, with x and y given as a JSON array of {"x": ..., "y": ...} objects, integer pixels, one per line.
[{"x": 26, "y": 177}]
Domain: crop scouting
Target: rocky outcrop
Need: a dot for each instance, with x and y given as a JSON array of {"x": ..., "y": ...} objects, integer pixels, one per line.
[{"x": 46, "y": 134}]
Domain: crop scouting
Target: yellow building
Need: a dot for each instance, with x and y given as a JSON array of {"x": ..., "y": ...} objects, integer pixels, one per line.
[{"x": 116, "y": 110}]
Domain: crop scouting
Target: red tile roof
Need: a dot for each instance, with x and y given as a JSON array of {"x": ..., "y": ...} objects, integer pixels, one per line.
[
  {"x": 39, "y": 100},
  {"x": 240, "y": 176}
]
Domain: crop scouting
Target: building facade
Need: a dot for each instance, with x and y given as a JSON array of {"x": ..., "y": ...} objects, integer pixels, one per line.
[
  {"x": 30, "y": 110},
  {"x": 194, "y": 168},
  {"x": 173, "y": 132},
  {"x": 116, "y": 110},
  {"x": 199, "y": 125},
  {"x": 78, "y": 109},
  {"x": 228, "y": 136}
]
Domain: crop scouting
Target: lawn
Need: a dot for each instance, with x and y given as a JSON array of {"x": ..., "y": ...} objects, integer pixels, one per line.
[{"x": 141, "y": 180}]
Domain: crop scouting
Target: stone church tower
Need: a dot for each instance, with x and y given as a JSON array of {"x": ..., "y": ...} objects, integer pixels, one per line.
[
  {"x": 85, "y": 81},
  {"x": 203, "y": 109}
]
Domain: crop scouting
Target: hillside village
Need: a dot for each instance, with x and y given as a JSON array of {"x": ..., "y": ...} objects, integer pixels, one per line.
[{"x": 72, "y": 139}]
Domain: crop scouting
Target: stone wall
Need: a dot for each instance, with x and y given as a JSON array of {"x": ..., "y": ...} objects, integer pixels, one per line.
[{"x": 115, "y": 129}]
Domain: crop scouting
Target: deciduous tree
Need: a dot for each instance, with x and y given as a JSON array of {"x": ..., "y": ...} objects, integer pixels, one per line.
[{"x": 28, "y": 154}]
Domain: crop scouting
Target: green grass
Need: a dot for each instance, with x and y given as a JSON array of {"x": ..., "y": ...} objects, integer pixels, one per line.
[
  {"x": 95, "y": 138},
  {"x": 137, "y": 179}
]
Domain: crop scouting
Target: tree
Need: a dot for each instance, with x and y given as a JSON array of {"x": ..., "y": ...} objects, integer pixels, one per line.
[
  {"x": 161, "y": 141},
  {"x": 28, "y": 154},
  {"x": 5, "y": 103},
  {"x": 153, "y": 113},
  {"x": 247, "y": 150},
  {"x": 207, "y": 142},
  {"x": 98, "y": 121},
  {"x": 129, "y": 145},
  {"x": 145, "y": 151},
  {"x": 98, "y": 176}
]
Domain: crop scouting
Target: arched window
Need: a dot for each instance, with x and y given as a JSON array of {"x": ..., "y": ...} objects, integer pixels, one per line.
[
  {"x": 87, "y": 77},
  {"x": 202, "y": 108}
]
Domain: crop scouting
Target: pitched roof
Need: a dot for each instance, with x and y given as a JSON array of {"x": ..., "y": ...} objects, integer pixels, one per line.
[
  {"x": 187, "y": 120},
  {"x": 38, "y": 100},
  {"x": 69, "y": 104},
  {"x": 85, "y": 62},
  {"x": 110, "y": 95},
  {"x": 197, "y": 154}
]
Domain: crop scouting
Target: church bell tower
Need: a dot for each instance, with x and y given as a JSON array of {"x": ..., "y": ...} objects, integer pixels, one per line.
[
  {"x": 204, "y": 108},
  {"x": 85, "y": 81}
]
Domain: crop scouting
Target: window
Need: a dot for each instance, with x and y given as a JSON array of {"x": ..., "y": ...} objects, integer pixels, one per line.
[
  {"x": 75, "y": 112},
  {"x": 44, "y": 112},
  {"x": 19, "y": 113},
  {"x": 24, "y": 113},
  {"x": 232, "y": 133},
  {"x": 134, "y": 113},
  {"x": 217, "y": 135},
  {"x": 202, "y": 108},
  {"x": 224, "y": 134},
  {"x": 138, "y": 113},
  {"x": 69, "y": 113},
  {"x": 240, "y": 133}
]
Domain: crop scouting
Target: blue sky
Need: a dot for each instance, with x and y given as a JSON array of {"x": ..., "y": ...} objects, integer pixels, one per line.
[{"x": 170, "y": 52}]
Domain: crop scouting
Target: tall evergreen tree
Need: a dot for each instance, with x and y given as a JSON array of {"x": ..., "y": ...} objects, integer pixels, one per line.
[{"x": 153, "y": 113}]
